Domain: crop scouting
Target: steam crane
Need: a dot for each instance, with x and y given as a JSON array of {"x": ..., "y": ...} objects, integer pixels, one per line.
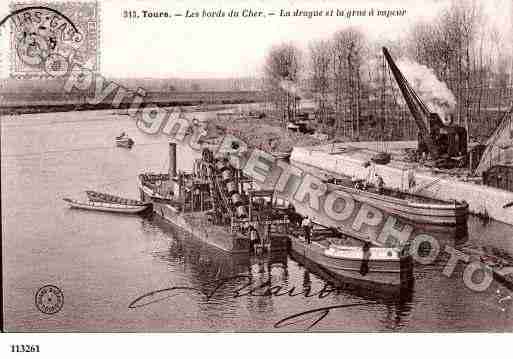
[{"x": 436, "y": 139}]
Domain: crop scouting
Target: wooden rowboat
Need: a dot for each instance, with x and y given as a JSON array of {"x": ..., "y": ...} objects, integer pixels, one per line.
[
  {"x": 109, "y": 198},
  {"x": 106, "y": 207}
]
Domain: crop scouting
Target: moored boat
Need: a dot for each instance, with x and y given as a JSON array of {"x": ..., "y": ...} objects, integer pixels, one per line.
[
  {"x": 106, "y": 207},
  {"x": 411, "y": 207},
  {"x": 366, "y": 266},
  {"x": 109, "y": 198}
]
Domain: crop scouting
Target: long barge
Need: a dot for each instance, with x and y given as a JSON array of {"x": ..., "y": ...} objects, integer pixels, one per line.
[{"x": 414, "y": 208}]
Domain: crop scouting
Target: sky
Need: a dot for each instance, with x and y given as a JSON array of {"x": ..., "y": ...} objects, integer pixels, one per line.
[{"x": 234, "y": 47}]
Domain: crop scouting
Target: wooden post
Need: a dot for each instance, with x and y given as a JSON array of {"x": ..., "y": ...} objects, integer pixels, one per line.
[
  {"x": 250, "y": 209},
  {"x": 172, "y": 160}
]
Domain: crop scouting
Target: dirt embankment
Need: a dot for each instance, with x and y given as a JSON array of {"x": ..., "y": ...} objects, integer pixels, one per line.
[{"x": 265, "y": 134}]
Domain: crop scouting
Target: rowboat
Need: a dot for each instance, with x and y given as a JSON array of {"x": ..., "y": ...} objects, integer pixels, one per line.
[
  {"x": 109, "y": 198},
  {"x": 106, "y": 207},
  {"x": 125, "y": 142},
  {"x": 365, "y": 266}
]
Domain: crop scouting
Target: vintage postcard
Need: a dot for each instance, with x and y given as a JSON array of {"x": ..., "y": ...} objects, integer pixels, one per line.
[{"x": 249, "y": 166}]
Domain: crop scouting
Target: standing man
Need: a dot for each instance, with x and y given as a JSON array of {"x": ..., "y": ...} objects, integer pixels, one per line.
[
  {"x": 307, "y": 227},
  {"x": 380, "y": 184},
  {"x": 254, "y": 236}
]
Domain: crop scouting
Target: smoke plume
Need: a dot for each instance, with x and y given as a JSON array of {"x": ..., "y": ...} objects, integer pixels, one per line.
[{"x": 435, "y": 93}]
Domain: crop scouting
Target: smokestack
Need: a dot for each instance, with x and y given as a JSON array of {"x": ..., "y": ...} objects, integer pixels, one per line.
[{"x": 172, "y": 160}]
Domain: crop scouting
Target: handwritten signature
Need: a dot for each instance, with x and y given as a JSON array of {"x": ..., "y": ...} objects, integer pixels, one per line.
[{"x": 246, "y": 287}]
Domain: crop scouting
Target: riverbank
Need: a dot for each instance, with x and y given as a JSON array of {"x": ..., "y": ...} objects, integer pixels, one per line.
[
  {"x": 56, "y": 102},
  {"x": 266, "y": 134}
]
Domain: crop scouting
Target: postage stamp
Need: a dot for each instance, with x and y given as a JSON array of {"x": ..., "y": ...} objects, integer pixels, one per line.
[{"x": 46, "y": 35}]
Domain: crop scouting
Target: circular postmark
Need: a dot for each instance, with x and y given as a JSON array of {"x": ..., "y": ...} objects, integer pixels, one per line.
[{"x": 49, "y": 299}]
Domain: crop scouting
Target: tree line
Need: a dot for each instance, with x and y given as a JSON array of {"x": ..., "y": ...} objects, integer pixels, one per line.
[{"x": 355, "y": 96}]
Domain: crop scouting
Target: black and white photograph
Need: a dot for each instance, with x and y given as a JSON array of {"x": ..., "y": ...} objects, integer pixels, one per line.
[{"x": 256, "y": 167}]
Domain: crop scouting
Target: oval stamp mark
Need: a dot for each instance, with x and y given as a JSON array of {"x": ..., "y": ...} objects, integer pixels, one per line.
[{"x": 49, "y": 299}]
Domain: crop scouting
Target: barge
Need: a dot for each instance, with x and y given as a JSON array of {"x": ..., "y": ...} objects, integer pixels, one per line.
[
  {"x": 363, "y": 266},
  {"x": 409, "y": 206}
]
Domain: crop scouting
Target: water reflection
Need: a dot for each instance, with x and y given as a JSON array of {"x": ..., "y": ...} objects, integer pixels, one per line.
[
  {"x": 206, "y": 267},
  {"x": 396, "y": 302},
  {"x": 260, "y": 276}
]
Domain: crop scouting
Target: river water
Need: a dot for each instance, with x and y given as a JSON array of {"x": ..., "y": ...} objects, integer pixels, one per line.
[{"x": 103, "y": 262}]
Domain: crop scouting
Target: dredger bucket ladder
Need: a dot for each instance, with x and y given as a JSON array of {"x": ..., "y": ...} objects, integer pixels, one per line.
[{"x": 220, "y": 203}]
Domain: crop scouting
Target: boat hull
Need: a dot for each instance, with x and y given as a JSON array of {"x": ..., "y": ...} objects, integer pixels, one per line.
[
  {"x": 196, "y": 224},
  {"x": 125, "y": 142},
  {"x": 382, "y": 273},
  {"x": 105, "y": 207},
  {"x": 418, "y": 212},
  {"x": 108, "y": 198}
]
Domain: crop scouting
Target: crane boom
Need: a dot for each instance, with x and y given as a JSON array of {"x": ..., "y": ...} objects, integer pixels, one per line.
[{"x": 417, "y": 107}]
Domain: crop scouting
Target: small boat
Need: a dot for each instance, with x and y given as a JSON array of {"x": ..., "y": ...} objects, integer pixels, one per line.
[
  {"x": 109, "y": 198},
  {"x": 125, "y": 142},
  {"x": 106, "y": 207},
  {"x": 365, "y": 266}
]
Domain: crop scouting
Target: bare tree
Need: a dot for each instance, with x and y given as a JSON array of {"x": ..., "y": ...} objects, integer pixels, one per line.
[
  {"x": 320, "y": 58},
  {"x": 282, "y": 75},
  {"x": 348, "y": 50}
]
